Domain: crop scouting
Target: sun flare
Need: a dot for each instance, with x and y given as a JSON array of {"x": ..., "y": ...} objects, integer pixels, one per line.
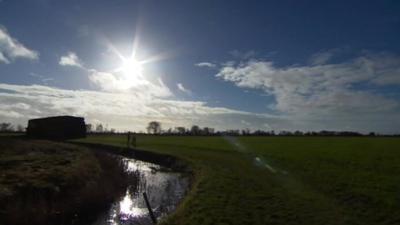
[{"x": 132, "y": 67}]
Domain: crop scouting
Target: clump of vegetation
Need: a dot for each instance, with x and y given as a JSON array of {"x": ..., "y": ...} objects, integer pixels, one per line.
[{"x": 49, "y": 182}]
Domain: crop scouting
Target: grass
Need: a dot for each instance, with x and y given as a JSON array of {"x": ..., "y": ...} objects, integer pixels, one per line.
[
  {"x": 284, "y": 180},
  {"x": 44, "y": 182}
]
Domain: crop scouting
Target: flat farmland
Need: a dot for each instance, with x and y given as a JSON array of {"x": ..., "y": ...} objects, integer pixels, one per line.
[{"x": 283, "y": 180}]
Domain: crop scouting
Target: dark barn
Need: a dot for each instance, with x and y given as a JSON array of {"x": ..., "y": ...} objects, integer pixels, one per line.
[{"x": 59, "y": 127}]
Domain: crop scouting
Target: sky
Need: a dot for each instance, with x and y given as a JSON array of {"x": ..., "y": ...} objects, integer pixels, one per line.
[{"x": 269, "y": 65}]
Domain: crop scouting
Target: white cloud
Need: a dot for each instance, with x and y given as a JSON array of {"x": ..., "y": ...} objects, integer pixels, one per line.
[
  {"x": 4, "y": 59},
  {"x": 205, "y": 64},
  {"x": 245, "y": 123},
  {"x": 119, "y": 83},
  {"x": 325, "y": 94},
  {"x": 123, "y": 111},
  {"x": 11, "y": 48},
  {"x": 127, "y": 111},
  {"x": 70, "y": 59},
  {"x": 183, "y": 89}
]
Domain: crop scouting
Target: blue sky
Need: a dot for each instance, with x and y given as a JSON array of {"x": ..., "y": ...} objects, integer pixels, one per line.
[{"x": 282, "y": 65}]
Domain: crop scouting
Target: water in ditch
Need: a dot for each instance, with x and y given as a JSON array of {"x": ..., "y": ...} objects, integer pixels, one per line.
[{"x": 164, "y": 188}]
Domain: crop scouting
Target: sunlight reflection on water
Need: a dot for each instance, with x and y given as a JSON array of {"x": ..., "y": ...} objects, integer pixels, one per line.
[{"x": 164, "y": 189}]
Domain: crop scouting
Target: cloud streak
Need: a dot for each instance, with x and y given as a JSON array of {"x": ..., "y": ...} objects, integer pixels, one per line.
[
  {"x": 183, "y": 89},
  {"x": 205, "y": 64},
  {"x": 11, "y": 48}
]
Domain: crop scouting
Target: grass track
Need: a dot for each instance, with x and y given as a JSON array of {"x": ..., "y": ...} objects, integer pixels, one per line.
[{"x": 330, "y": 180}]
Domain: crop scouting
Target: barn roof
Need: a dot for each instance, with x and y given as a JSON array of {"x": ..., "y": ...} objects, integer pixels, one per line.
[{"x": 57, "y": 118}]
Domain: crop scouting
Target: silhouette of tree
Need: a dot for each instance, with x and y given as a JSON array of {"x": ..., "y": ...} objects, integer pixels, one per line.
[
  {"x": 20, "y": 128},
  {"x": 246, "y": 132},
  {"x": 180, "y": 130},
  {"x": 154, "y": 127},
  {"x": 195, "y": 130},
  {"x": 208, "y": 131},
  {"x": 5, "y": 127},
  {"x": 88, "y": 128},
  {"x": 99, "y": 128},
  {"x": 298, "y": 133}
]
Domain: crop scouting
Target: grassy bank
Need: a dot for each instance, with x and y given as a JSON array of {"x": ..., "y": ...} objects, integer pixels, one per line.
[
  {"x": 284, "y": 180},
  {"x": 43, "y": 182}
]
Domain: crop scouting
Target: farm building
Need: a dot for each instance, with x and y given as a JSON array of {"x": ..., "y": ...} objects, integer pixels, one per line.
[{"x": 59, "y": 127}]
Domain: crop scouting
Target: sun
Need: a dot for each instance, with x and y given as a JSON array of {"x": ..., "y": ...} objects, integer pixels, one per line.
[
  {"x": 130, "y": 73},
  {"x": 132, "y": 67}
]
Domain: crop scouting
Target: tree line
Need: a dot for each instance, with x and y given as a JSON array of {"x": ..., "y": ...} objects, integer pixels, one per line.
[
  {"x": 8, "y": 127},
  {"x": 99, "y": 128},
  {"x": 155, "y": 128}
]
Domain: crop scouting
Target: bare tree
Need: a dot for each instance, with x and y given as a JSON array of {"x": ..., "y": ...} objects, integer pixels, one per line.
[
  {"x": 5, "y": 127},
  {"x": 99, "y": 128},
  {"x": 180, "y": 130},
  {"x": 154, "y": 127},
  {"x": 207, "y": 131},
  {"x": 88, "y": 128},
  {"x": 195, "y": 130},
  {"x": 246, "y": 131},
  {"x": 20, "y": 128}
]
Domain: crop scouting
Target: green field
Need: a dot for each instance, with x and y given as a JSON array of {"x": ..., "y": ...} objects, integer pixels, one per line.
[{"x": 284, "y": 180}]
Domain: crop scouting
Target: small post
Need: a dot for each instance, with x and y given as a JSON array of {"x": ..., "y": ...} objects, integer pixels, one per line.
[
  {"x": 129, "y": 139},
  {"x": 133, "y": 141},
  {"x": 153, "y": 218}
]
